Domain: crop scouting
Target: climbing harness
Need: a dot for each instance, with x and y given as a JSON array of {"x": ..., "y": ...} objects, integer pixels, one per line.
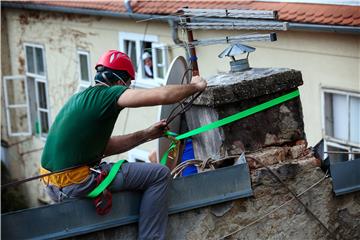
[
  {"x": 107, "y": 180},
  {"x": 66, "y": 178},
  {"x": 45, "y": 173},
  {"x": 102, "y": 196}
]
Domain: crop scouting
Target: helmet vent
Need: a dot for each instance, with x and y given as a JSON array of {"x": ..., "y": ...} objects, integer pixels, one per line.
[{"x": 112, "y": 57}]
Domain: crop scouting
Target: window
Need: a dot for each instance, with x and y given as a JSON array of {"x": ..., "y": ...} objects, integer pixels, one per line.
[
  {"x": 341, "y": 152},
  {"x": 160, "y": 61},
  {"x": 84, "y": 70},
  {"x": 137, "y": 155},
  {"x": 148, "y": 56},
  {"x": 17, "y": 106},
  {"x": 37, "y": 90},
  {"x": 26, "y": 97},
  {"x": 34, "y": 60},
  {"x": 341, "y": 124},
  {"x": 42, "y": 123}
]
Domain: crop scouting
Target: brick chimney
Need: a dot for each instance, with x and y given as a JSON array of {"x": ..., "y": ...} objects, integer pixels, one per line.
[{"x": 230, "y": 93}]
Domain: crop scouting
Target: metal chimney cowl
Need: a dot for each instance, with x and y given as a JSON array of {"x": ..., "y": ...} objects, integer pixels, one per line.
[
  {"x": 239, "y": 65},
  {"x": 236, "y": 49}
]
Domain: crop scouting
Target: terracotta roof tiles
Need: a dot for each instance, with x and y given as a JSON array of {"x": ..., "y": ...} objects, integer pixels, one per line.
[{"x": 290, "y": 12}]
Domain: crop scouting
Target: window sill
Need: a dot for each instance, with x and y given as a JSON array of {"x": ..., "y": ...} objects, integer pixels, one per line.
[
  {"x": 145, "y": 83},
  {"x": 340, "y": 141}
]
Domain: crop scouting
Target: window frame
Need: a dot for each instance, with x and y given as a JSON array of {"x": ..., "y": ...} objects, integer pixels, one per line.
[
  {"x": 39, "y": 78},
  {"x": 140, "y": 81},
  {"x": 33, "y": 45},
  {"x": 39, "y": 109},
  {"x": 164, "y": 50},
  {"x": 331, "y": 141},
  {"x": 348, "y": 94},
  {"x": 8, "y": 106},
  {"x": 349, "y": 150},
  {"x": 82, "y": 83},
  {"x": 137, "y": 153}
]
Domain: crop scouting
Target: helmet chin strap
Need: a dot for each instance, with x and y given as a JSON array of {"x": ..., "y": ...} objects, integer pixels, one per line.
[
  {"x": 123, "y": 82},
  {"x": 108, "y": 82},
  {"x": 102, "y": 83}
]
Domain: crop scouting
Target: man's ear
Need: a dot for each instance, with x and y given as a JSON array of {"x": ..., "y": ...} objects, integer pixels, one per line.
[{"x": 121, "y": 83}]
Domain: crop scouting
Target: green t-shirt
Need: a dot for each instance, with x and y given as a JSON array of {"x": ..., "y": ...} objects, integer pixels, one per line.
[{"x": 82, "y": 128}]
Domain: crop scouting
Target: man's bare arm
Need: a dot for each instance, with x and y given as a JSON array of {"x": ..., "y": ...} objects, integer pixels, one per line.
[
  {"x": 161, "y": 95},
  {"x": 123, "y": 143}
]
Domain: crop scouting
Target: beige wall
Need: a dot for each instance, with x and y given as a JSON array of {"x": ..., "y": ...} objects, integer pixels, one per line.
[
  {"x": 61, "y": 36},
  {"x": 325, "y": 59}
]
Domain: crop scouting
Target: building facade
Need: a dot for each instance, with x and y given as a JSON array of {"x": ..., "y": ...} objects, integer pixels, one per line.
[{"x": 48, "y": 54}]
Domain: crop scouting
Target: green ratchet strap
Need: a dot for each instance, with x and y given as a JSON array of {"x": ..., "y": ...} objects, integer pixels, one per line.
[
  {"x": 229, "y": 119},
  {"x": 107, "y": 180}
]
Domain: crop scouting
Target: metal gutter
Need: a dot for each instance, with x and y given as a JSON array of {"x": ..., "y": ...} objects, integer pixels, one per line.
[
  {"x": 137, "y": 16},
  {"x": 175, "y": 36},
  {"x": 323, "y": 28},
  {"x": 78, "y": 217},
  {"x": 345, "y": 176}
]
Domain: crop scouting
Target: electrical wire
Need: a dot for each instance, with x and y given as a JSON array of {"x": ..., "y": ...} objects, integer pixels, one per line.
[
  {"x": 332, "y": 235},
  {"x": 15, "y": 183},
  {"x": 201, "y": 164},
  {"x": 277, "y": 208},
  {"x": 210, "y": 163}
]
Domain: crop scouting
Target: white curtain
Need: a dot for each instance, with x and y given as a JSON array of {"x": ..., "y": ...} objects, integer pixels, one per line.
[
  {"x": 340, "y": 111},
  {"x": 355, "y": 119}
]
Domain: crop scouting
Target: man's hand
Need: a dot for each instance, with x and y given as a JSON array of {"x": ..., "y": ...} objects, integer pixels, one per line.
[
  {"x": 169, "y": 94},
  {"x": 157, "y": 130},
  {"x": 199, "y": 83}
]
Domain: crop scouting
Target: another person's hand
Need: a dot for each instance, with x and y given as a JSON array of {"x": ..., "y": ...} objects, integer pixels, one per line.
[
  {"x": 156, "y": 130},
  {"x": 199, "y": 83},
  {"x": 152, "y": 157}
]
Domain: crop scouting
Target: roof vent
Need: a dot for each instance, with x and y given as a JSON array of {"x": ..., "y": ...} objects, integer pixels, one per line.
[{"x": 235, "y": 49}]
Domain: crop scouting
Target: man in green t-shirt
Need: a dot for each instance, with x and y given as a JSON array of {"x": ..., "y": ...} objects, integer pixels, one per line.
[{"x": 81, "y": 136}]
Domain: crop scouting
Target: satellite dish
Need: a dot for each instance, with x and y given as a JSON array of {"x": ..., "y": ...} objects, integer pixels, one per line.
[{"x": 174, "y": 76}]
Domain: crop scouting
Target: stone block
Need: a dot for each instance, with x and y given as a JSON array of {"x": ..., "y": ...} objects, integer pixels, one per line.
[
  {"x": 297, "y": 151},
  {"x": 230, "y": 93},
  {"x": 228, "y": 88},
  {"x": 267, "y": 156}
]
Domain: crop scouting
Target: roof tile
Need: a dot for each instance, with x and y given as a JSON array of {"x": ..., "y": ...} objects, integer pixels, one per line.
[
  {"x": 357, "y": 22},
  {"x": 347, "y": 21},
  {"x": 348, "y": 14},
  {"x": 291, "y": 12}
]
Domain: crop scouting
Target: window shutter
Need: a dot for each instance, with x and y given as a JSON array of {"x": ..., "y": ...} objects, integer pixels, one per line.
[
  {"x": 160, "y": 61},
  {"x": 17, "y": 106}
]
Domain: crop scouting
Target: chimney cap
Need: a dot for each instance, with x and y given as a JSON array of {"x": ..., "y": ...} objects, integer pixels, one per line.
[{"x": 236, "y": 49}]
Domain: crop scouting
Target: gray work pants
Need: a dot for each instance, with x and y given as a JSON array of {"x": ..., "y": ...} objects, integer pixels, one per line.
[{"x": 151, "y": 179}]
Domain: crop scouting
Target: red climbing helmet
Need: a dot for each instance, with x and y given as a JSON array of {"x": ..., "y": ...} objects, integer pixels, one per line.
[{"x": 116, "y": 60}]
